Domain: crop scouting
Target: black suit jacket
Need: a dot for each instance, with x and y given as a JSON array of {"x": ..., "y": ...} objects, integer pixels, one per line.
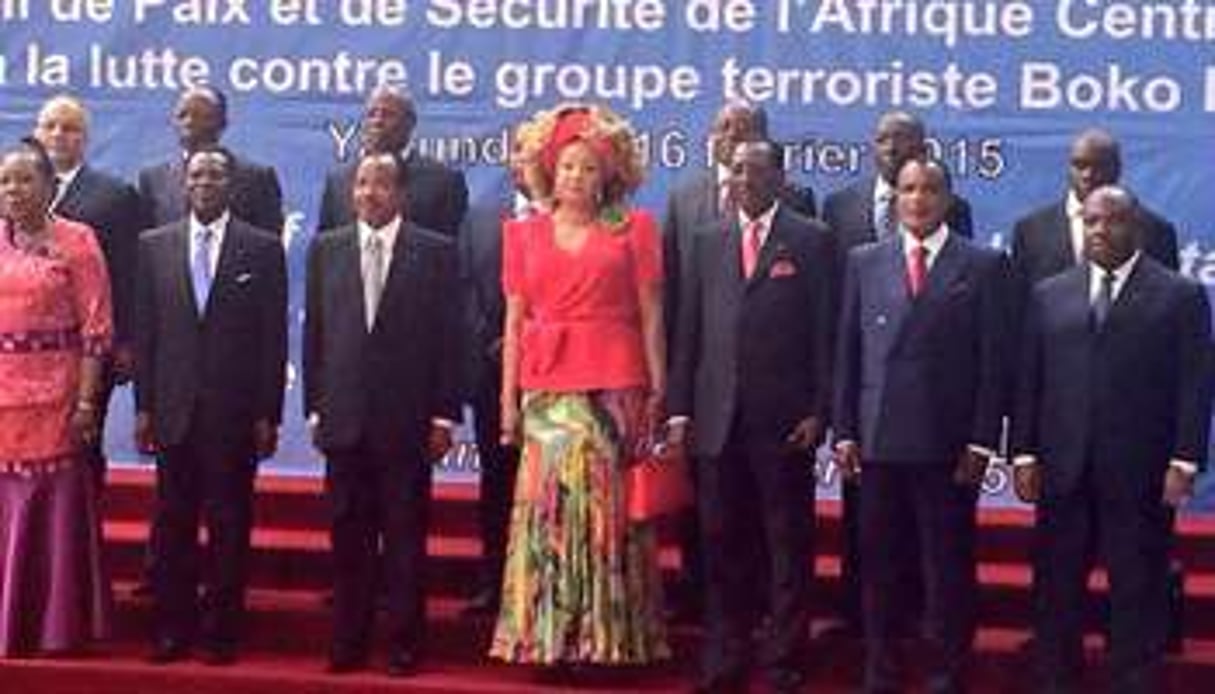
[
  {"x": 1125, "y": 397},
  {"x": 757, "y": 348},
  {"x": 480, "y": 249},
  {"x": 1042, "y": 243},
  {"x": 694, "y": 206},
  {"x": 381, "y": 389},
  {"x": 920, "y": 379},
  {"x": 436, "y": 196},
  {"x": 257, "y": 197},
  {"x": 849, "y": 214},
  {"x": 111, "y": 208},
  {"x": 232, "y": 358}
]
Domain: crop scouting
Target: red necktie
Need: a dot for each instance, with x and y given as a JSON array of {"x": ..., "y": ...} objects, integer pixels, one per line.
[
  {"x": 750, "y": 247},
  {"x": 917, "y": 269}
]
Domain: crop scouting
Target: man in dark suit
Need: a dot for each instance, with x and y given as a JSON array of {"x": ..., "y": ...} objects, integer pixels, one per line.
[
  {"x": 1050, "y": 240},
  {"x": 436, "y": 197},
  {"x": 380, "y": 364},
  {"x": 919, "y": 399},
  {"x": 211, "y": 348},
  {"x": 752, "y": 371},
  {"x": 1110, "y": 430},
  {"x": 480, "y": 246},
  {"x": 701, "y": 203},
  {"x": 111, "y": 208},
  {"x": 200, "y": 116},
  {"x": 861, "y": 213}
]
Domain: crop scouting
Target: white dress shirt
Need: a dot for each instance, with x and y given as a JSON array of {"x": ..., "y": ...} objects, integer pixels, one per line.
[
  {"x": 1075, "y": 225},
  {"x": 218, "y": 228}
]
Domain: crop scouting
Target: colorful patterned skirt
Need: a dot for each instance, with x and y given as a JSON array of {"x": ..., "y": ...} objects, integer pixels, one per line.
[{"x": 582, "y": 582}]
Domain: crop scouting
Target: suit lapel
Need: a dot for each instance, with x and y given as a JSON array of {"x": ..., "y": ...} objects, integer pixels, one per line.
[
  {"x": 349, "y": 272},
  {"x": 230, "y": 251},
  {"x": 1060, "y": 241},
  {"x": 941, "y": 276},
  {"x": 773, "y": 244},
  {"x": 179, "y": 267},
  {"x": 404, "y": 255},
  {"x": 892, "y": 283},
  {"x": 1130, "y": 296}
]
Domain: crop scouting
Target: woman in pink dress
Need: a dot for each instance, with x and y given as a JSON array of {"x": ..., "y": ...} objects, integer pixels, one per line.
[
  {"x": 54, "y": 327},
  {"x": 582, "y": 389}
]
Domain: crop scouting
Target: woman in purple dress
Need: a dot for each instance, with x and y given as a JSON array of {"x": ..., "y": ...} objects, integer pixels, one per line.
[{"x": 54, "y": 328}]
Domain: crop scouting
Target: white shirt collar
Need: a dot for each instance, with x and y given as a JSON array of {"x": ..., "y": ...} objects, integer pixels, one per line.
[
  {"x": 882, "y": 191},
  {"x": 934, "y": 242},
  {"x": 388, "y": 233},
  {"x": 63, "y": 181},
  {"x": 218, "y": 227},
  {"x": 1072, "y": 205},
  {"x": 764, "y": 219},
  {"x": 1121, "y": 274}
]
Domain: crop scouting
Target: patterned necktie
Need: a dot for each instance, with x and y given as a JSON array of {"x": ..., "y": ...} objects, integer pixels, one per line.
[
  {"x": 1104, "y": 299},
  {"x": 200, "y": 267},
  {"x": 373, "y": 276},
  {"x": 917, "y": 269},
  {"x": 750, "y": 247}
]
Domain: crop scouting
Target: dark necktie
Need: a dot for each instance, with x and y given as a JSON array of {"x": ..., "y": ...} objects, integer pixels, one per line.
[
  {"x": 917, "y": 269},
  {"x": 1104, "y": 299}
]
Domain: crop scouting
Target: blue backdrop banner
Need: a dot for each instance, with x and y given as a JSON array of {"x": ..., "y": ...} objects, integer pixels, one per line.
[{"x": 1003, "y": 84}]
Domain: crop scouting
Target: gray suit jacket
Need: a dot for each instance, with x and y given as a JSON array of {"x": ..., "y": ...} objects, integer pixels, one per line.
[{"x": 230, "y": 359}]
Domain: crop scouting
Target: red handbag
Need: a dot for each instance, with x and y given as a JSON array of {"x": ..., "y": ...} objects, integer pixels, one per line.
[{"x": 657, "y": 485}]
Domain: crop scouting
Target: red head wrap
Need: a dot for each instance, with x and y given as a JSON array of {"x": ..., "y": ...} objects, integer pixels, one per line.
[{"x": 575, "y": 125}]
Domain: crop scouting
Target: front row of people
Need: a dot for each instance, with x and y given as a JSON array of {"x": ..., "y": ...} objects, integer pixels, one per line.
[{"x": 910, "y": 357}]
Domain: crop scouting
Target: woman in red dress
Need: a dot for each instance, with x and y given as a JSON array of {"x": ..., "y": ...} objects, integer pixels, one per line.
[
  {"x": 54, "y": 328},
  {"x": 582, "y": 388}
]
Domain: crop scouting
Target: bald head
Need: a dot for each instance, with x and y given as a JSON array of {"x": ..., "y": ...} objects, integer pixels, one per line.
[
  {"x": 899, "y": 138},
  {"x": 1111, "y": 232},
  {"x": 389, "y": 117},
  {"x": 738, "y": 120},
  {"x": 1095, "y": 161},
  {"x": 63, "y": 130}
]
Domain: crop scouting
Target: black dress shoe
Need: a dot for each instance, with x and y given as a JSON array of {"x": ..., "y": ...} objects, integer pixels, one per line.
[
  {"x": 402, "y": 662},
  {"x": 723, "y": 683},
  {"x": 169, "y": 650},
  {"x": 343, "y": 661},
  {"x": 219, "y": 654}
]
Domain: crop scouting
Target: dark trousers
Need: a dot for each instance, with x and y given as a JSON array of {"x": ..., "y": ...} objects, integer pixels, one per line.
[
  {"x": 904, "y": 503},
  {"x": 210, "y": 474},
  {"x": 499, "y": 465},
  {"x": 1131, "y": 538},
  {"x": 756, "y": 482},
  {"x": 379, "y": 504}
]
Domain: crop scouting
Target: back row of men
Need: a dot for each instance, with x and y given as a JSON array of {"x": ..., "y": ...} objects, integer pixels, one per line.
[{"x": 1114, "y": 380}]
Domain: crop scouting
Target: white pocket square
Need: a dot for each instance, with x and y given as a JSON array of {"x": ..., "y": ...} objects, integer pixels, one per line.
[{"x": 244, "y": 277}]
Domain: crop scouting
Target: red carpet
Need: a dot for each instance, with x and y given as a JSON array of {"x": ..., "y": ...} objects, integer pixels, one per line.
[{"x": 289, "y": 623}]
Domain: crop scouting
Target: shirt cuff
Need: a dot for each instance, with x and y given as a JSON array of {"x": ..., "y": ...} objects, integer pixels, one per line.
[
  {"x": 843, "y": 443},
  {"x": 981, "y": 450},
  {"x": 1185, "y": 466},
  {"x": 678, "y": 420},
  {"x": 443, "y": 422},
  {"x": 314, "y": 420},
  {"x": 1023, "y": 460}
]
